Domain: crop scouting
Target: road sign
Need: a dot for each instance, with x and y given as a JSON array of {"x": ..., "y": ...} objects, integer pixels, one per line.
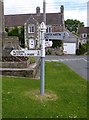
[
  {"x": 26, "y": 53},
  {"x": 56, "y": 35}
]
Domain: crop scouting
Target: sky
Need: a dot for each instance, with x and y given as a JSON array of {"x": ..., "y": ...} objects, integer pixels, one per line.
[{"x": 73, "y": 9}]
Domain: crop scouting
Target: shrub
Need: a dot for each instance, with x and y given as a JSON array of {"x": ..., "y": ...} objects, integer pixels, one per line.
[{"x": 82, "y": 49}]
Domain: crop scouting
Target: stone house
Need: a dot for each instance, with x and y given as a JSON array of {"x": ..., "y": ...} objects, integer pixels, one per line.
[
  {"x": 83, "y": 34},
  {"x": 32, "y": 33},
  {"x": 31, "y": 23}
]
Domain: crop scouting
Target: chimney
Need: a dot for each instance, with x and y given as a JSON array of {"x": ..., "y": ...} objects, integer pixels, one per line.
[
  {"x": 62, "y": 17},
  {"x": 38, "y": 10},
  {"x": 62, "y": 9},
  {"x": 44, "y": 12}
]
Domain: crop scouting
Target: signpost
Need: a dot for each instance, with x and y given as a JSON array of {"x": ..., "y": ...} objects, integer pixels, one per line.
[
  {"x": 26, "y": 53},
  {"x": 42, "y": 73},
  {"x": 56, "y": 35},
  {"x": 41, "y": 53}
]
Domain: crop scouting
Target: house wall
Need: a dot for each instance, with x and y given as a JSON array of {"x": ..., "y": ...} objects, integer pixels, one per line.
[
  {"x": 57, "y": 28},
  {"x": 34, "y": 35},
  {"x": 69, "y": 48},
  {"x": 83, "y": 38}
]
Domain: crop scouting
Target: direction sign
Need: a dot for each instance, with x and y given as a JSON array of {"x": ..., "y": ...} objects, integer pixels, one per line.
[
  {"x": 26, "y": 53},
  {"x": 56, "y": 35}
]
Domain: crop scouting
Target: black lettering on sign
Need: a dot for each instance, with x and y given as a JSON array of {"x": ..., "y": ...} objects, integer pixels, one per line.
[
  {"x": 18, "y": 53},
  {"x": 32, "y": 54}
]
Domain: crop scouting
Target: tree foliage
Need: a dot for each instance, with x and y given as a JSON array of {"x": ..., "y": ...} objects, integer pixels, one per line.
[
  {"x": 72, "y": 25},
  {"x": 83, "y": 48},
  {"x": 19, "y": 32},
  {"x": 56, "y": 43}
]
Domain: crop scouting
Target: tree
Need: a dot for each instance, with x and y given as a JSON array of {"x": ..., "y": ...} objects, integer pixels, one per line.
[
  {"x": 72, "y": 25},
  {"x": 21, "y": 36},
  {"x": 19, "y": 32},
  {"x": 13, "y": 32}
]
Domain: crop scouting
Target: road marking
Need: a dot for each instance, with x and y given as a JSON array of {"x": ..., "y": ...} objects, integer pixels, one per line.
[
  {"x": 84, "y": 59},
  {"x": 52, "y": 60},
  {"x": 62, "y": 60}
]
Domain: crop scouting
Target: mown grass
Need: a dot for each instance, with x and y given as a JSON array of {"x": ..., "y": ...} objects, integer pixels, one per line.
[
  {"x": 0, "y": 98},
  {"x": 19, "y": 95}
]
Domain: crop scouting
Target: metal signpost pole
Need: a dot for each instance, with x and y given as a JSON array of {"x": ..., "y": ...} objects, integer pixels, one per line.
[{"x": 42, "y": 70}]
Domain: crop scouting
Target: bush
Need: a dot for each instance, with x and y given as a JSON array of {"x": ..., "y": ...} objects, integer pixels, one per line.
[
  {"x": 31, "y": 59},
  {"x": 57, "y": 43},
  {"x": 82, "y": 49},
  {"x": 48, "y": 52}
]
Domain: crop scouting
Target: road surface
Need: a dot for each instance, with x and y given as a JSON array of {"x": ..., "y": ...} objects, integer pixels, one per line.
[{"x": 79, "y": 64}]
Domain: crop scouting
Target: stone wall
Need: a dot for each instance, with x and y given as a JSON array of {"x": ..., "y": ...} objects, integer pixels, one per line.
[
  {"x": 30, "y": 71},
  {"x": 15, "y": 64},
  {"x": 9, "y": 43},
  {"x": 19, "y": 73}
]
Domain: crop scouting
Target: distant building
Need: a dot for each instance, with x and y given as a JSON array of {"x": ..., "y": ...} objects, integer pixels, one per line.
[
  {"x": 31, "y": 23},
  {"x": 53, "y": 20},
  {"x": 83, "y": 34},
  {"x": 71, "y": 44}
]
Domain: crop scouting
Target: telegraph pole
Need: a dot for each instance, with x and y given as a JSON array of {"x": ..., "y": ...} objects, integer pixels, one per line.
[
  {"x": 1, "y": 16},
  {"x": 44, "y": 12}
]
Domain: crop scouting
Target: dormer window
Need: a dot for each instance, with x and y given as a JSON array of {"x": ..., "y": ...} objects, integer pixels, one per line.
[{"x": 31, "y": 28}]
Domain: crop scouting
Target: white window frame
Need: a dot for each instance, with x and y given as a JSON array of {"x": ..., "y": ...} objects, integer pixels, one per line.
[
  {"x": 31, "y": 28},
  {"x": 49, "y": 29},
  {"x": 84, "y": 35}
]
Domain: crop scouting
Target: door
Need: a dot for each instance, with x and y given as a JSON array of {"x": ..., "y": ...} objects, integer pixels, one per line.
[{"x": 31, "y": 43}]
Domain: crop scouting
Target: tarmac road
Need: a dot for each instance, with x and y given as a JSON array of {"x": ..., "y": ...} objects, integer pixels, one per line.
[{"x": 79, "y": 64}]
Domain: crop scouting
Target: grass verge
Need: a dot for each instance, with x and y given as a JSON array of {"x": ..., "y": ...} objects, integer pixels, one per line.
[{"x": 65, "y": 95}]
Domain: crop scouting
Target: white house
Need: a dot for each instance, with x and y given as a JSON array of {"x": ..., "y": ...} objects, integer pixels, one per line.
[{"x": 70, "y": 44}]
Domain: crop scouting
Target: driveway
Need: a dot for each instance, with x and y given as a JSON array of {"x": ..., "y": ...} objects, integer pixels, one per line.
[{"x": 77, "y": 63}]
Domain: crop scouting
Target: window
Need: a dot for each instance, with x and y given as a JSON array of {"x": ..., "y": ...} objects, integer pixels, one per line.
[
  {"x": 85, "y": 35},
  {"x": 31, "y": 28},
  {"x": 49, "y": 29}
]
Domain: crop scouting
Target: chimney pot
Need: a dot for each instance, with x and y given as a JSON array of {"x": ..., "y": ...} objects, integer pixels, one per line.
[{"x": 38, "y": 10}]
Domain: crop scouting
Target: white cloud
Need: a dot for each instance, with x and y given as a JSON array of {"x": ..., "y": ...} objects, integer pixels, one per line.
[
  {"x": 29, "y": 6},
  {"x": 24, "y": 6},
  {"x": 21, "y": 6}
]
